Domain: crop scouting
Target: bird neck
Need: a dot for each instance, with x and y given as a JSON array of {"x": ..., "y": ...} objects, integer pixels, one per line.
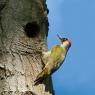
[{"x": 65, "y": 45}]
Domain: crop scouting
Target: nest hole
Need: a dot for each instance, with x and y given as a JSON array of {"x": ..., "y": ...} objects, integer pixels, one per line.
[{"x": 32, "y": 29}]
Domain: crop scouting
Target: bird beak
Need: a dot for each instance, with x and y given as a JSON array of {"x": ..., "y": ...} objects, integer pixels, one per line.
[{"x": 61, "y": 39}]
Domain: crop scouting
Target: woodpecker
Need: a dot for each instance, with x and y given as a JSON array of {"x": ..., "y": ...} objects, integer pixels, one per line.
[{"x": 55, "y": 58}]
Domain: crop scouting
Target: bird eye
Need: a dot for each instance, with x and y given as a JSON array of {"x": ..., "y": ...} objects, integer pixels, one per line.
[{"x": 64, "y": 39}]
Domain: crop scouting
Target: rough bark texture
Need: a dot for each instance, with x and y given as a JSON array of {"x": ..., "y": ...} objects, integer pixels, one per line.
[{"x": 20, "y": 55}]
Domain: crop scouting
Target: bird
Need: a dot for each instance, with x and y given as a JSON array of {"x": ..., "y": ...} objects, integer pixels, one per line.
[{"x": 55, "y": 58}]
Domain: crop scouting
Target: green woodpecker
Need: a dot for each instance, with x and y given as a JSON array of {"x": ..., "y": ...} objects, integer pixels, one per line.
[{"x": 55, "y": 58}]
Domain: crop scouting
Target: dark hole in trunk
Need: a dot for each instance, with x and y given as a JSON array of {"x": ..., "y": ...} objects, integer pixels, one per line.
[{"x": 32, "y": 29}]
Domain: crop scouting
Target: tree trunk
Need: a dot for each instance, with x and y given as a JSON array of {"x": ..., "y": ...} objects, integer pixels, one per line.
[{"x": 23, "y": 38}]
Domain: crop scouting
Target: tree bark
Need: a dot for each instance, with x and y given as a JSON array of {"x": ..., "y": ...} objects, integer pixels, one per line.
[{"x": 21, "y": 54}]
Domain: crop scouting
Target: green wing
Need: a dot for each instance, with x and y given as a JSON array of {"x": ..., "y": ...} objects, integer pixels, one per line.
[{"x": 58, "y": 54}]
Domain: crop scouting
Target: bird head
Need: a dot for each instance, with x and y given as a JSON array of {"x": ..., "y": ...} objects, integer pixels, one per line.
[{"x": 65, "y": 41}]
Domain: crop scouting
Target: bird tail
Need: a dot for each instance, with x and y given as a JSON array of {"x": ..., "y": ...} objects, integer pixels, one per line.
[{"x": 41, "y": 76}]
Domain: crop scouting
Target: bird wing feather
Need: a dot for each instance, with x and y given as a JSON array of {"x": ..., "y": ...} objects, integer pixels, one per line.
[{"x": 57, "y": 56}]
